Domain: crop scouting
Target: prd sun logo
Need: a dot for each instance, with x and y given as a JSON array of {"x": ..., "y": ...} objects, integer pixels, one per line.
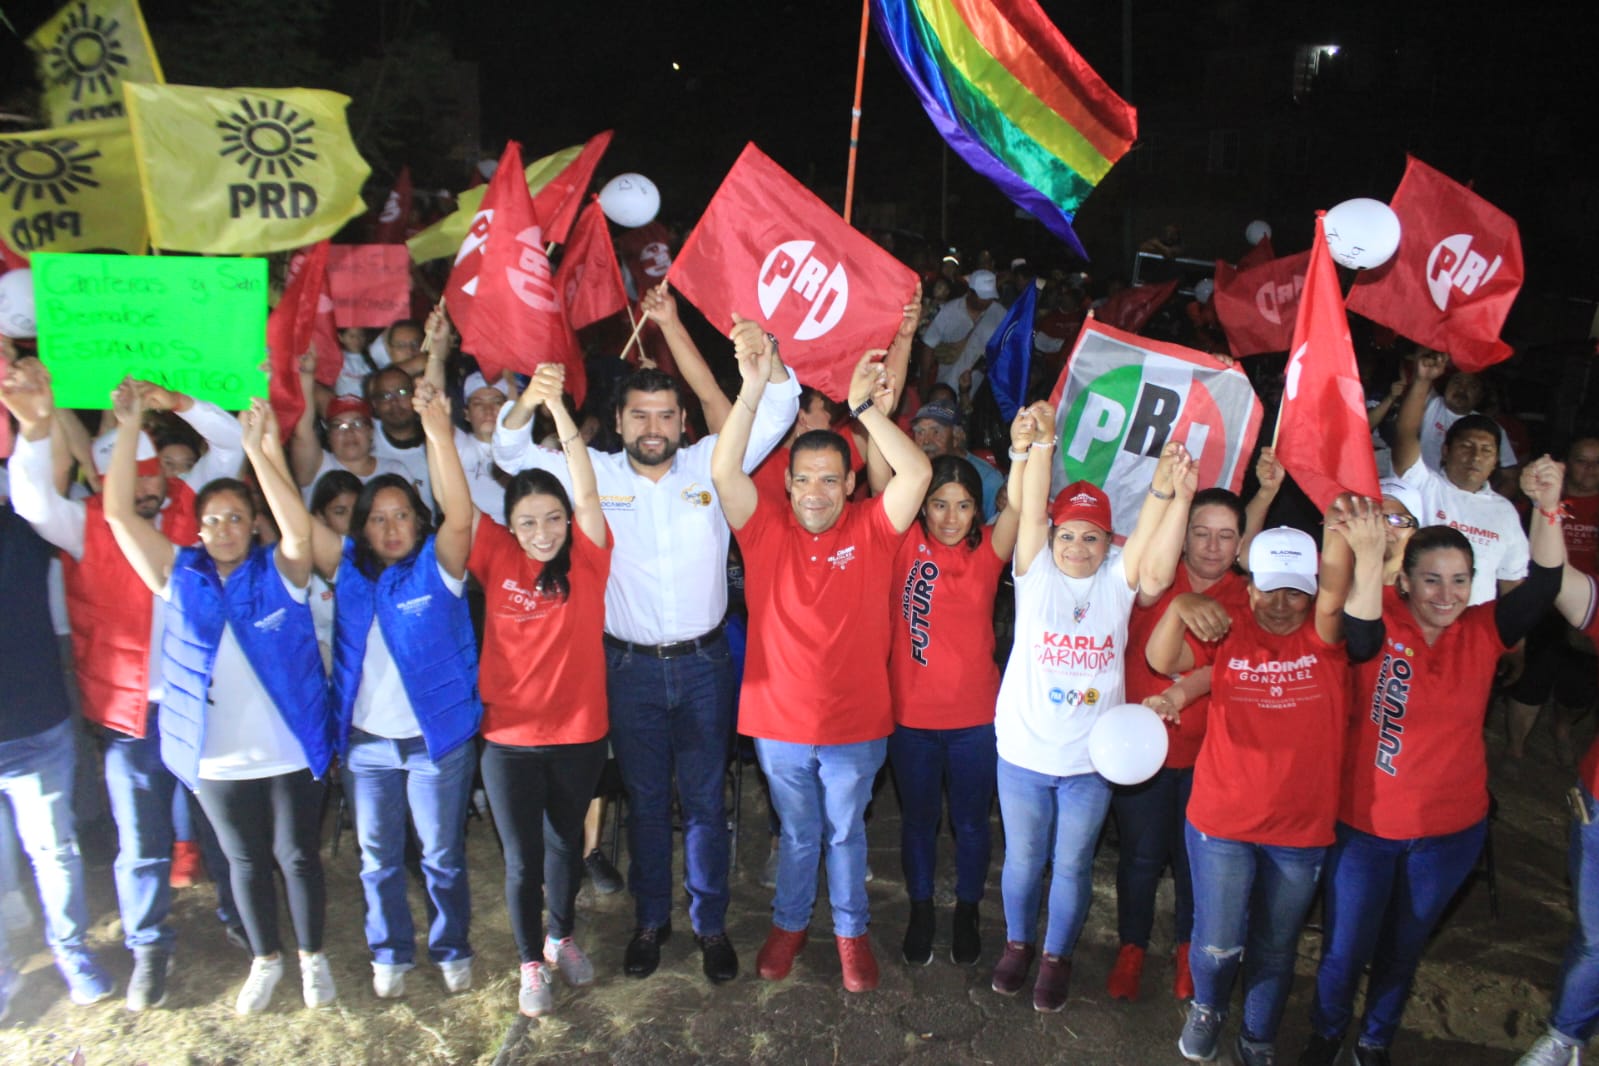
[
  {"x": 88, "y": 54},
  {"x": 267, "y": 135},
  {"x": 56, "y": 169}
]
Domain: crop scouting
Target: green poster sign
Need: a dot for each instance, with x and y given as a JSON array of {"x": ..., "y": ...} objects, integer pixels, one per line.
[{"x": 195, "y": 325}]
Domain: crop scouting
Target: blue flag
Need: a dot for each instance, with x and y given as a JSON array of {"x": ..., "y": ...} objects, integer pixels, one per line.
[{"x": 1010, "y": 354}]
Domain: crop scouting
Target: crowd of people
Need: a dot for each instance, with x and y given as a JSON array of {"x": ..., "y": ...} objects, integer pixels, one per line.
[{"x": 436, "y": 582}]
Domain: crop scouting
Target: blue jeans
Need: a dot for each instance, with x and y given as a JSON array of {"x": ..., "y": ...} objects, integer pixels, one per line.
[
  {"x": 925, "y": 762},
  {"x": 1576, "y": 1006},
  {"x": 1250, "y": 901},
  {"x": 393, "y": 781},
  {"x": 140, "y": 789},
  {"x": 36, "y": 777},
  {"x": 672, "y": 721},
  {"x": 1034, "y": 805},
  {"x": 1382, "y": 900},
  {"x": 820, "y": 793},
  {"x": 1149, "y": 823}
]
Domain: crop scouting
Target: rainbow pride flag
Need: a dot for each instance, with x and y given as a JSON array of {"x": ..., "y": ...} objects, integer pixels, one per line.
[{"x": 1012, "y": 98}]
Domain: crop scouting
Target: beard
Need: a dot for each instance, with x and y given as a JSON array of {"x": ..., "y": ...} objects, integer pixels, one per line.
[
  {"x": 147, "y": 507},
  {"x": 635, "y": 451}
]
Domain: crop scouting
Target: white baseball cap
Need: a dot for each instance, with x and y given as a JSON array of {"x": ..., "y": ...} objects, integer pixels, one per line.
[
  {"x": 983, "y": 284},
  {"x": 1283, "y": 558},
  {"x": 105, "y": 442},
  {"x": 1398, "y": 491}
]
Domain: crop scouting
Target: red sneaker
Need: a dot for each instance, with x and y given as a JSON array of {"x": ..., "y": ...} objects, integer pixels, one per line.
[
  {"x": 1010, "y": 973},
  {"x": 186, "y": 867},
  {"x": 1126, "y": 974},
  {"x": 1182, "y": 985},
  {"x": 776, "y": 957},
  {"x": 860, "y": 965}
]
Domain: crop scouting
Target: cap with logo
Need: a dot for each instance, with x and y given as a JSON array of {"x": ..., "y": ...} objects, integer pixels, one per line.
[
  {"x": 1283, "y": 558},
  {"x": 1081, "y": 501},
  {"x": 983, "y": 284},
  {"x": 944, "y": 416},
  {"x": 476, "y": 382},
  {"x": 147, "y": 458}
]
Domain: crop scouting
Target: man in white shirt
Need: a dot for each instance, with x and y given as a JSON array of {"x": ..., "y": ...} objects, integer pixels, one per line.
[
  {"x": 669, "y": 672},
  {"x": 1461, "y": 395},
  {"x": 138, "y": 784},
  {"x": 956, "y": 338},
  {"x": 397, "y": 432}
]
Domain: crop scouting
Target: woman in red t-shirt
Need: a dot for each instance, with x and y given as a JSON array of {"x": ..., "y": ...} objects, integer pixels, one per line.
[
  {"x": 1415, "y": 775},
  {"x": 542, "y": 678},
  {"x": 1266, "y": 783},
  {"x": 1149, "y": 816},
  {"x": 944, "y": 680}
]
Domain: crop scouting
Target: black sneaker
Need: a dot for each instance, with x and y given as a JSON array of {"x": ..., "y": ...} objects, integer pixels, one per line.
[
  {"x": 965, "y": 944},
  {"x": 1371, "y": 1056},
  {"x": 147, "y": 987},
  {"x": 1320, "y": 1051},
  {"x": 918, "y": 948},
  {"x": 718, "y": 959},
  {"x": 643, "y": 953},
  {"x": 605, "y": 876}
]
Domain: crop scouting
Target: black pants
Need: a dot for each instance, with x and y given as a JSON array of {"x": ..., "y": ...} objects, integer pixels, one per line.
[
  {"x": 539, "y": 797},
  {"x": 265, "y": 822}
]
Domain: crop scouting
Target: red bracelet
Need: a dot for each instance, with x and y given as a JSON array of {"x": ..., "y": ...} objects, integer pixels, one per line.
[{"x": 1560, "y": 513}]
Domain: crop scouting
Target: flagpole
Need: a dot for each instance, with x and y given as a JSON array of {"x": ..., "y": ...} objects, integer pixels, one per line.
[
  {"x": 637, "y": 325},
  {"x": 855, "y": 112}
]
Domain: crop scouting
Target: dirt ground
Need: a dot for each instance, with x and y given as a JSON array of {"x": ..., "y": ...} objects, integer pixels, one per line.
[{"x": 1480, "y": 997}]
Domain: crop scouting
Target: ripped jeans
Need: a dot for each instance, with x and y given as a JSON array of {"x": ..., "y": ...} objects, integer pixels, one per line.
[{"x": 1249, "y": 903}]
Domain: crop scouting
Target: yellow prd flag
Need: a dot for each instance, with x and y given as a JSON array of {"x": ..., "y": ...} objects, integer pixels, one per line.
[
  {"x": 444, "y": 237},
  {"x": 243, "y": 171},
  {"x": 85, "y": 52},
  {"x": 66, "y": 190}
]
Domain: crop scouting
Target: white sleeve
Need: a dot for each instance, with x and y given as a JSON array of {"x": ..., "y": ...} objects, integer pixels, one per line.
[
  {"x": 1507, "y": 451},
  {"x": 514, "y": 450},
  {"x": 224, "y": 439},
  {"x": 53, "y": 516},
  {"x": 456, "y": 585},
  {"x": 774, "y": 417},
  {"x": 1417, "y": 476},
  {"x": 1517, "y": 555}
]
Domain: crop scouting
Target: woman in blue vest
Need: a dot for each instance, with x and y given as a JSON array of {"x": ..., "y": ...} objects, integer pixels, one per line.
[
  {"x": 245, "y": 721},
  {"x": 406, "y": 704}
]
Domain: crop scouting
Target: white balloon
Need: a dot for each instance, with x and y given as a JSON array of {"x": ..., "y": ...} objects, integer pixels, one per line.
[
  {"x": 1127, "y": 744},
  {"x": 1361, "y": 233},
  {"x": 630, "y": 200},
  {"x": 1257, "y": 231},
  {"x": 1203, "y": 290},
  {"x": 16, "y": 304}
]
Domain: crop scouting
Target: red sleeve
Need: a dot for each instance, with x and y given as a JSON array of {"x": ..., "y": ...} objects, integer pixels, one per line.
[
  {"x": 488, "y": 547},
  {"x": 590, "y": 557}
]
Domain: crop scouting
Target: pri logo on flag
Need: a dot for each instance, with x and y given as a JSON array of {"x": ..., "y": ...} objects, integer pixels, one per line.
[
  {"x": 271, "y": 136},
  {"x": 1454, "y": 264},
  {"x": 1273, "y": 298},
  {"x": 791, "y": 275}
]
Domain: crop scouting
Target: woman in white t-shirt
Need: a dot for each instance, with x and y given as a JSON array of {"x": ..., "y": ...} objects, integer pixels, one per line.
[
  {"x": 332, "y": 502},
  {"x": 1074, "y": 594},
  {"x": 244, "y": 719}
]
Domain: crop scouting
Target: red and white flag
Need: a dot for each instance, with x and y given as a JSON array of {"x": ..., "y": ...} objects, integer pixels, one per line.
[
  {"x": 1256, "y": 307},
  {"x": 589, "y": 279},
  {"x": 770, "y": 250},
  {"x": 1457, "y": 271},
  {"x": 393, "y": 220},
  {"x": 1131, "y": 309},
  {"x": 557, "y": 204},
  {"x": 1262, "y": 252},
  {"x": 292, "y": 331},
  {"x": 502, "y": 294},
  {"x": 1323, "y": 439}
]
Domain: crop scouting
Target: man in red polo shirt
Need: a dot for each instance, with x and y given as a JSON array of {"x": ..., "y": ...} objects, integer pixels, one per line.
[{"x": 815, "y": 695}]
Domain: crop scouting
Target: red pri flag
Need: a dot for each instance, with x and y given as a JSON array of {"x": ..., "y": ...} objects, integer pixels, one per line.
[
  {"x": 501, "y": 293},
  {"x": 1457, "y": 271},
  {"x": 589, "y": 279},
  {"x": 558, "y": 202},
  {"x": 1131, "y": 309},
  {"x": 1323, "y": 439},
  {"x": 769, "y": 250},
  {"x": 290, "y": 332},
  {"x": 1256, "y": 307},
  {"x": 396, "y": 213},
  {"x": 1262, "y": 252}
]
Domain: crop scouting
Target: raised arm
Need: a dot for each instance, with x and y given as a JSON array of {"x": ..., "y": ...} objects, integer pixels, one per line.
[
  {"x": 1009, "y": 519},
  {"x": 660, "y": 307},
  {"x": 754, "y": 351},
  {"x": 264, "y": 448},
  {"x": 1546, "y": 540},
  {"x": 25, "y": 391},
  {"x": 898, "y": 360},
  {"x": 147, "y": 551},
  {"x": 305, "y": 451},
  {"x": 1032, "y": 529},
  {"x": 453, "y": 540},
  {"x": 913, "y": 471},
  {"x": 1407, "y": 428},
  {"x": 1155, "y": 545},
  {"x": 549, "y": 380},
  {"x": 224, "y": 439},
  {"x": 436, "y": 347},
  {"x": 1337, "y": 571},
  {"x": 1269, "y": 472},
  {"x": 1361, "y": 530}
]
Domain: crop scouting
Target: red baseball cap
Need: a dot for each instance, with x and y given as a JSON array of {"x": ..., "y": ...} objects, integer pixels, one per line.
[
  {"x": 348, "y": 405},
  {"x": 1081, "y": 501}
]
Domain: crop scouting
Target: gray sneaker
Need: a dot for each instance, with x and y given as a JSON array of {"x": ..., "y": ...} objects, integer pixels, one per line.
[
  {"x": 566, "y": 956},
  {"x": 1550, "y": 1051},
  {"x": 1249, "y": 1053},
  {"x": 1201, "y": 1032},
  {"x": 535, "y": 996},
  {"x": 147, "y": 988}
]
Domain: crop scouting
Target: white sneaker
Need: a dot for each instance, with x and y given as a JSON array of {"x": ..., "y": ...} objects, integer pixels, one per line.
[
  {"x": 388, "y": 980},
  {"x": 1549, "y": 1051},
  {"x": 535, "y": 996},
  {"x": 566, "y": 956},
  {"x": 256, "y": 994},
  {"x": 457, "y": 974},
  {"x": 316, "y": 980}
]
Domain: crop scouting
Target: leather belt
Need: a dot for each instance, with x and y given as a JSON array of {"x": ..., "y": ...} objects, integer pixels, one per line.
[{"x": 666, "y": 651}]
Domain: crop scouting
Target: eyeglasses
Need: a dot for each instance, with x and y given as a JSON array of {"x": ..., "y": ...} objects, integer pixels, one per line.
[
  {"x": 232, "y": 518},
  {"x": 1400, "y": 521},
  {"x": 350, "y": 424},
  {"x": 405, "y": 346},
  {"x": 393, "y": 394}
]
